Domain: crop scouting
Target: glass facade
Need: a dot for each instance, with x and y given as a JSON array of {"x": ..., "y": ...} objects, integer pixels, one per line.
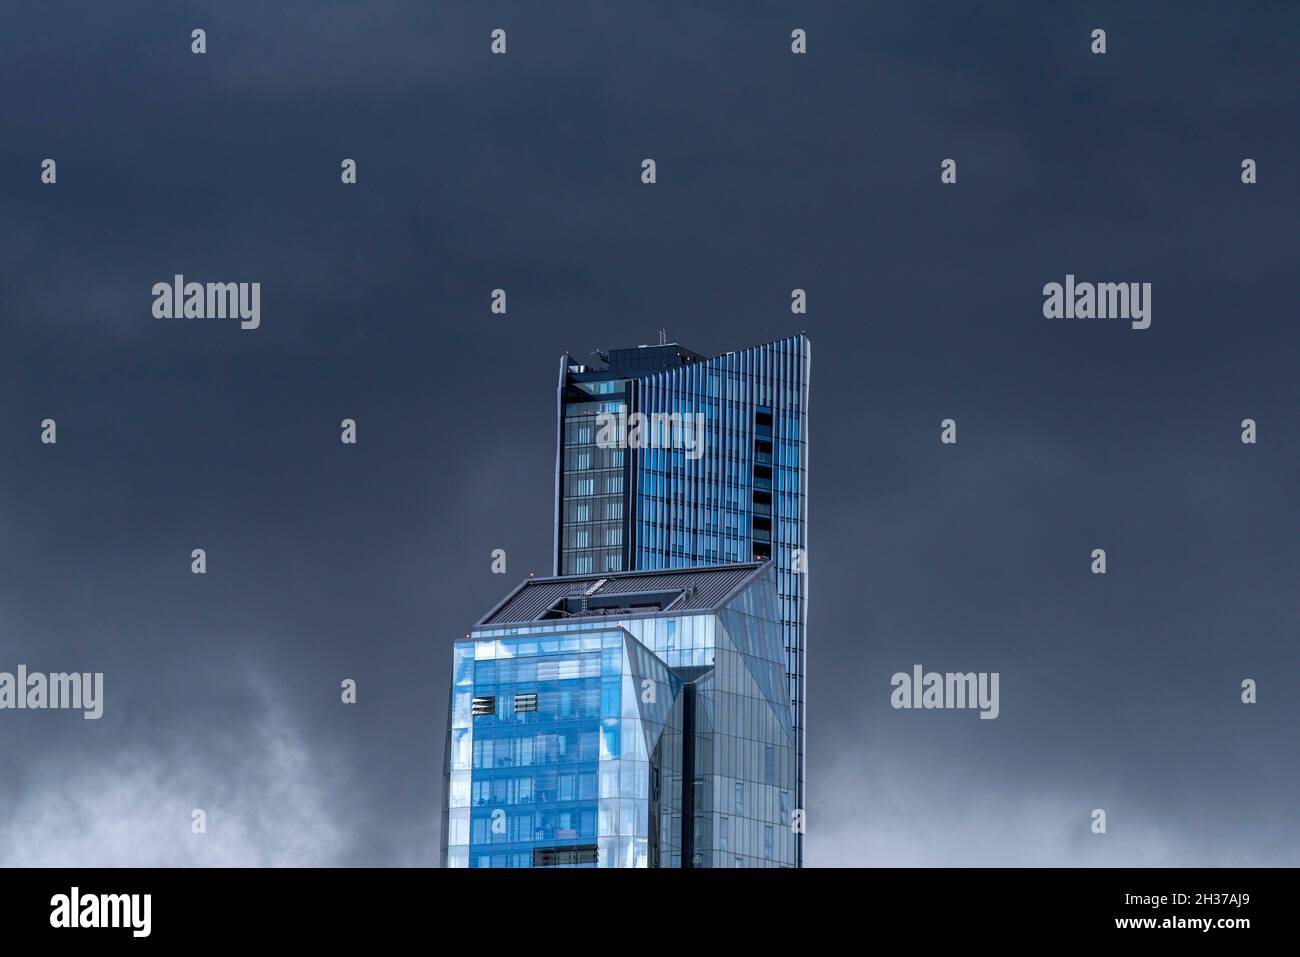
[
  {"x": 592, "y": 490},
  {"x": 651, "y": 740},
  {"x": 743, "y": 499}
]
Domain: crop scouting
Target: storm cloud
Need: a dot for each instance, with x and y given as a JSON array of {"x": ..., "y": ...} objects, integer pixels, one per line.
[{"x": 775, "y": 171}]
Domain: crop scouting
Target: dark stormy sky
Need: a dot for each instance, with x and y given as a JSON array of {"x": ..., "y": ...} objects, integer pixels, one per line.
[{"x": 775, "y": 171}]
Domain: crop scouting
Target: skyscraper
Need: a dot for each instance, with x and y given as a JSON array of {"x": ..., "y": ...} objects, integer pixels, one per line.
[
  {"x": 738, "y": 494},
  {"x": 633, "y": 719},
  {"x": 644, "y": 707}
]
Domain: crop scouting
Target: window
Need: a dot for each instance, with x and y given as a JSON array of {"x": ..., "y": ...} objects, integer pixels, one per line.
[
  {"x": 484, "y": 705},
  {"x": 767, "y": 842},
  {"x": 740, "y": 798},
  {"x": 561, "y": 856},
  {"x": 769, "y": 764},
  {"x": 525, "y": 702},
  {"x": 723, "y": 828}
]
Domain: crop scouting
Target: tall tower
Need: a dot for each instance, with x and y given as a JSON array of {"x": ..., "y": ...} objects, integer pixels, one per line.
[{"x": 740, "y": 494}]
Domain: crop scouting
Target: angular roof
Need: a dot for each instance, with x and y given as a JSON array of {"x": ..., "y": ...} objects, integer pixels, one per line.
[{"x": 700, "y": 588}]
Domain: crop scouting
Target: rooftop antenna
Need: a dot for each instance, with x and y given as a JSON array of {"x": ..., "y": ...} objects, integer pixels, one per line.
[{"x": 663, "y": 337}]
